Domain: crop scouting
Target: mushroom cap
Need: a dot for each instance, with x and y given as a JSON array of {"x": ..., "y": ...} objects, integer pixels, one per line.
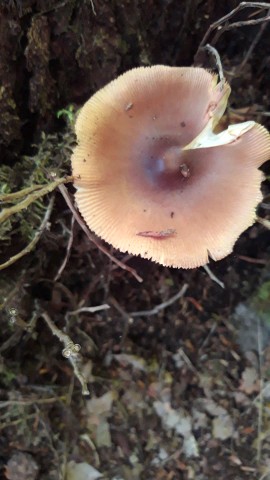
[{"x": 141, "y": 191}]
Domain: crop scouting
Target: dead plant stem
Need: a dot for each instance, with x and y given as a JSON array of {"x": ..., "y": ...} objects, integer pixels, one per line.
[
  {"x": 34, "y": 241},
  {"x": 71, "y": 351}
]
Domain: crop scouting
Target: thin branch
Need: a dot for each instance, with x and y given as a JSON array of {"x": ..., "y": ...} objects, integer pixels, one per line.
[
  {"x": 68, "y": 250},
  {"x": 91, "y": 237},
  {"x": 188, "y": 362},
  {"x": 18, "y": 207},
  {"x": 127, "y": 319},
  {"x": 161, "y": 306},
  {"x": 213, "y": 276},
  {"x": 93, "y": 7},
  {"x": 227, "y": 26},
  {"x": 10, "y": 197},
  {"x": 30, "y": 401},
  {"x": 34, "y": 241},
  {"x": 71, "y": 351},
  {"x": 264, "y": 222},
  {"x": 97, "y": 308},
  {"x": 245, "y": 23},
  {"x": 252, "y": 46},
  {"x": 258, "y": 261},
  {"x": 206, "y": 340}
]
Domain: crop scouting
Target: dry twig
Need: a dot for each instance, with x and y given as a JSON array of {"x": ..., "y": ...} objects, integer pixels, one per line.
[
  {"x": 11, "y": 197},
  {"x": 252, "y": 46},
  {"x": 222, "y": 25},
  {"x": 69, "y": 245},
  {"x": 34, "y": 241},
  {"x": 213, "y": 276},
  {"x": 32, "y": 197},
  {"x": 264, "y": 222},
  {"x": 161, "y": 306},
  {"x": 98, "y": 308},
  {"x": 71, "y": 351}
]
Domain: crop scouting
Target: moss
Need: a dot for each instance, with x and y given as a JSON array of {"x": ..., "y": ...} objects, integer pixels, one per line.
[{"x": 53, "y": 154}]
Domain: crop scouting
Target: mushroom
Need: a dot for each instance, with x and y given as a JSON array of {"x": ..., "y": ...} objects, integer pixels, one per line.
[{"x": 153, "y": 178}]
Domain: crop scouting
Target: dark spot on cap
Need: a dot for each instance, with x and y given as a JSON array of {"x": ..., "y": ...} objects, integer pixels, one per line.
[
  {"x": 183, "y": 124},
  {"x": 172, "y": 214}
]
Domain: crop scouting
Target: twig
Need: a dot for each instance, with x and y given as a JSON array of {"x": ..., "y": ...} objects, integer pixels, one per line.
[
  {"x": 249, "y": 112},
  {"x": 17, "y": 421},
  {"x": 10, "y": 197},
  {"x": 213, "y": 276},
  {"x": 188, "y": 361},
  {"x": 91, "y": 237},
  {"x": 30, "y": 401},
  {"x": 227, "y": 26},
  {"x": 98, "y": 308},
  {"x": 264, "y": 222},
  {"x": 161, "y": 306},
  {"x": 69, "y": 245},
  {"x": 7, "y": 212},
  {"x": 93, "y": 7},
  {"x": 71, "y": 351},
  {"x": 258, "y": 261},
  {"x": 127, "y": 318},
  {"x": 34, "y": 241},
  {"x": 206, "y": 340},
  {"x": 252, "y": 46},
  {"x": 265, "y": 475}
]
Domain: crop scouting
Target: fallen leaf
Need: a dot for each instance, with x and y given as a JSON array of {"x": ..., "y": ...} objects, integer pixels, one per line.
[
  {"x": 223, "y": 427},
  {"x": 178, "y": 421},
  {"x": 136, "y": 362},
  {"x": 250, "y": 381},
  {"x": 99, "y": 410},
  {"x": 81, "y": 471}
]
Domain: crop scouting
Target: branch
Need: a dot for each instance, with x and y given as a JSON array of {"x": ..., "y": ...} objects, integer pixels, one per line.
[
  {"x": 71, "y": 351},
  {"x": 18, "y": 207},
  {"x": 222, "y": 26},
  {"x": 34, "y": 241}
]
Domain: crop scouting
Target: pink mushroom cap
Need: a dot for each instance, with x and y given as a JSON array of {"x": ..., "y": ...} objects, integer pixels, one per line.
[{"x": 146, "y": 182}]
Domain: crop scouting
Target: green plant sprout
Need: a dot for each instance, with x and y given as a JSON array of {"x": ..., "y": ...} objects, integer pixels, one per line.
[{"x": 68, "y": 113}]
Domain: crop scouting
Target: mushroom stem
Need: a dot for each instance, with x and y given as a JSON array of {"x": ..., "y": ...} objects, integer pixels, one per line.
[{"x": 207, "y": 138}]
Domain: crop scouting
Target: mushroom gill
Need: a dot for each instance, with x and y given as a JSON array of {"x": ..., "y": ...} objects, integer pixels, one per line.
[{"x": 151, "y": 176}]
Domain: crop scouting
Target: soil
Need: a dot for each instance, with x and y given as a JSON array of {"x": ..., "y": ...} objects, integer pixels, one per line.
[{"x": 178, "y": 384}]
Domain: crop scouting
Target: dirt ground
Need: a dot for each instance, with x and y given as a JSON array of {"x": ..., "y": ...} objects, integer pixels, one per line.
[{"x": 177, "y": 368}]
